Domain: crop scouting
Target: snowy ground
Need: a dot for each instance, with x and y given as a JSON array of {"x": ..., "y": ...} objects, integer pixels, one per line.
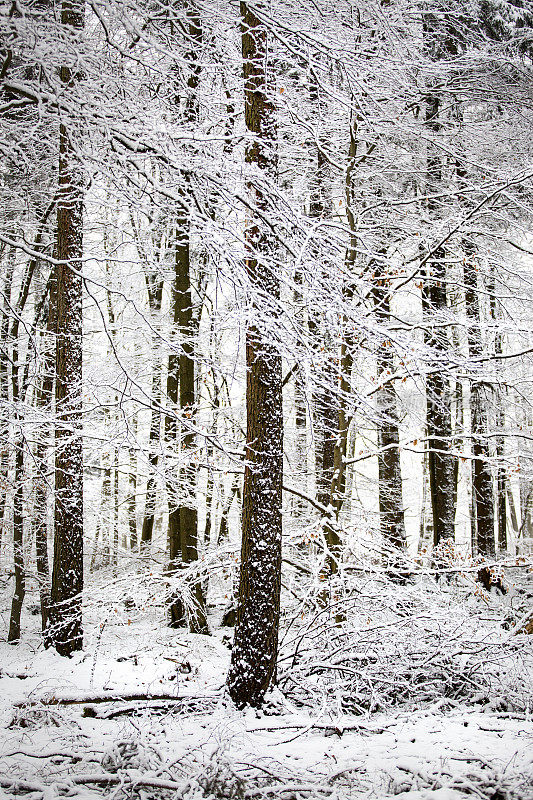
[{"x": 184, "y": 739}]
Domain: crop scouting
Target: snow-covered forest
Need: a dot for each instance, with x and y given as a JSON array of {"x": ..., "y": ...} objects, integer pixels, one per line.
[{"x": 266, "y": 399}]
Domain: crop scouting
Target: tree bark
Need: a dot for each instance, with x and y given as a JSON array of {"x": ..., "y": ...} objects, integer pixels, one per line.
[
  {"x": 44, "y": 400},
  {"x": 66, "y": 628},
  {"x": 4, "y": 389},
  {"x": 391, "y": 513},
  {"x": 181, "y": 383},
  {"x": 155, "y": 298},
  {"x": 188, "y": 512},
  {"x": 101, "y": 538},
  {"x": 438, "y": 402},
  {"x": 18, "y": 545},
  {"x": 499, "y": 398},
  {"x": 116, "y": 454},
  {"x": 132, "y": 486},
  {"x": 255, "y": 646}
]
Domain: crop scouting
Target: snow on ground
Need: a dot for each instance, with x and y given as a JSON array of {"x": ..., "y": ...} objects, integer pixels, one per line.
[{"x": 184, "y": 739}]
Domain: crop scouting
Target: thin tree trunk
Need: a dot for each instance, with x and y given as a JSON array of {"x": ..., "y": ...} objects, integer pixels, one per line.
[
  {"x": 324, "y": 406},
  {"x": 18, "y": 497},
  {"x": 132, "y": 496},
  {"x": 482, "y": 488},
  {"x": 426, "y": 516},
  {"x": 457, "y": 405},
  {"x": 115, "y": 509},
  {"x": 66, "y": 628},
  {"x": 392, "y": 522},
  {"x": 325, "y": 426},
  {"x": 188, "y": 519},
  {"x": 153, "y": 454},
  {"x": 18, "y": 545},
  {"x": 438, "y": 404},
  {"x": 499, "y": 398},
  {"x": 300, "y": 402},
  {"x": 4, "y": 388},
  {"x": 175, "y": 605},
  {"x": 154, "y": 289},
  {"x": 208, "y": 509},
  {"x": 482, "y": 514},
  {"x": 338, "y": 478},
  {"x": 512, "y": 510},
  {"x": 255, "y": 646},
  {"x": 44, "y": 401},
  {"x": 183, "y": 521},
  {"x": 19, "y": 384},
  {"x": 223, "y": 527},
  {"x": 101, "y": 537}
]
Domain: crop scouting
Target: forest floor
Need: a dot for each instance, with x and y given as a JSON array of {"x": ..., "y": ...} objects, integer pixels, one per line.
[{"x": 423, "y": 690}]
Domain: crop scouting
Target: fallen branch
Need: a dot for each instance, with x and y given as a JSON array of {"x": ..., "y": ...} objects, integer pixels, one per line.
[
  {"x": 179, "y": 704},
  {"x": 111, "y": 698},
  {"x": 327, "y": 728}
]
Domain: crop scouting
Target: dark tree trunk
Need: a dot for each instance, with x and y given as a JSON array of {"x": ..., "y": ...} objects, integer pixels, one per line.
[
  {"x": 44, "y": 401},
  {"x": 255, "y": 647},
  {"x": 13, "y": 636},
  {"x": 391, "y": 513},
  {"x": 499, "y": 397},
  {"x": 438, "y": 401},
  {"x": 132, "y": 495},
  {"x": 325, "y": 426},
  {"x": 300, "y": 402},
  {"x": 181, "y": 385},
  {"x": 343, "y": 417},
  {"x": 115, "y": 509},
  {"x": 66, "y": 629},
  {"x": 175, "y": 606},
  {"x": 153, "y": 448},
  {"x": 208, "y": 527},
  {"x": 483, "y": 505},
  {"x": 324, "y": 401},
  {"x": 4, "y": 386},
  {"x": 18, "y": 545},
  {"x": 188, "y": 519}
]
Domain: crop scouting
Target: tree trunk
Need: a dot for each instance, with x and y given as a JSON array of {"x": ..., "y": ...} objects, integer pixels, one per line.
[
  {"x": 499, "y": 399},
  {"x": 67, "y": 577},
  {"x": 44, "y": 401},
  {"x": 391, "y": 513},
  {"x": 482, "y": 488},
  {"x": 18, "y": 544},
  {"x": 13, "y": 636},
  {"x": 188, "y": 512},
  {"x": 154, "y": 290},
  {"x": 153, "y": 450},
  {"x": 18, "y": 498},
  {"x": 181, "y": 383},
  {"x": 438, "y": 403},
  {"x": 4, "y": 389},
  {"x": 175, "y": 605},
  {"x": 343, "y": 418},
  {"x": 208, "y": 527},
  {"x": 101, "y": 537},
  {"x": 132, "y": 496},
  {"x": 300, "y": 404},
  {"x": 324, "y": 406},
  {"x": 115, "y": 509},
  {"x": 255, "y": 646}
]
